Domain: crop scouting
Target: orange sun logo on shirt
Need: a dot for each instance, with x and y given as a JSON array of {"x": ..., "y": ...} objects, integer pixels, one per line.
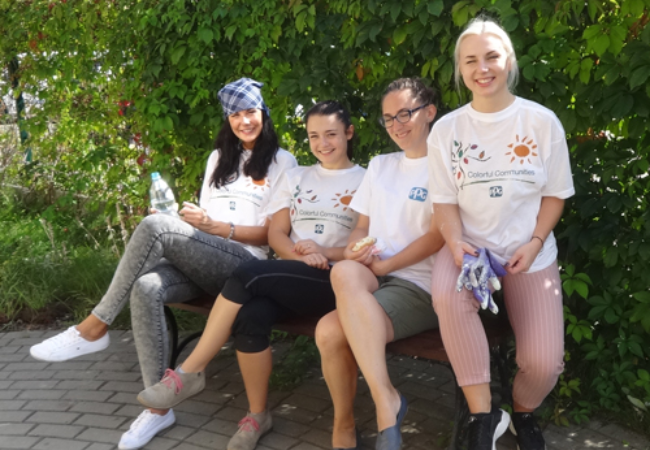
[
  {"x": 262, "y": 184},
  {"x": 344, "y": 199},
  {"x": 522, "y": 149}
]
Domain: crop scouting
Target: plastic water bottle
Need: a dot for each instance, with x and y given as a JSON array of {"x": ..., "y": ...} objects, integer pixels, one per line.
[{"x": 162, "y": 197}]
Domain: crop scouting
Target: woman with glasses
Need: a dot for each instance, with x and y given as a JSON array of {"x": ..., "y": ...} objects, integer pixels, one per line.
[{"x": 383, "y": 290}]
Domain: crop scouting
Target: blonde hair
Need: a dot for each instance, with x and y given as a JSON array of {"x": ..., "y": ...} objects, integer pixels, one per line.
[{"x": 486, "y": 25}]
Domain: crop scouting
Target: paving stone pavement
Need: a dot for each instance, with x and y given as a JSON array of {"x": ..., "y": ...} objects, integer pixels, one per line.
[{"x": 87, "y": 403}]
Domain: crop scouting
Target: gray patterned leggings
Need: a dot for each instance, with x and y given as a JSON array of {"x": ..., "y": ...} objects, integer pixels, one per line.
[{"x": 166, "y": 261}]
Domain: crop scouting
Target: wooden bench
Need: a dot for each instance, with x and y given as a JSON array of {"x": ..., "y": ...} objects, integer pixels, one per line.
[{"x": 426, "y": 345}]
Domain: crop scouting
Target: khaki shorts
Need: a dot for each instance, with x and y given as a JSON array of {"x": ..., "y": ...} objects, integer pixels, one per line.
[{"x": 408, "y": 306}]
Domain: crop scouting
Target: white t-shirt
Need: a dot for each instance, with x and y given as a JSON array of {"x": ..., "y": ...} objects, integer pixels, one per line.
[
  {"x": 497, "y": 167},
  {"x": 244, "y": 201},
  {"x": 319, "y": 203},
  {"x": 394, "y": 195}
]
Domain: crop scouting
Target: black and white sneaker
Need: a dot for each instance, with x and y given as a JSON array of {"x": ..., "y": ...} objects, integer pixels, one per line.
[
  {"x": 484, "y": 429},
  {"x": 529, "y": 434}
]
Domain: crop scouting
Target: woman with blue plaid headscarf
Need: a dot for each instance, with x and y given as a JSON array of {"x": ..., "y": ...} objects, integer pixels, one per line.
[{"x": 170, "y": 260}]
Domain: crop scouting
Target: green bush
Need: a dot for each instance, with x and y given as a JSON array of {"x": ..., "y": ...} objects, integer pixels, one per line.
[
  {"x": 42, "y": 263},
  {"x": 130, "y": 87}
]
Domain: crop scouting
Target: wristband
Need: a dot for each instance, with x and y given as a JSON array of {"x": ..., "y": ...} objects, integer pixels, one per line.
[
  {"x": 232, "y": 231},
  {"x": 540, "y": 239}
]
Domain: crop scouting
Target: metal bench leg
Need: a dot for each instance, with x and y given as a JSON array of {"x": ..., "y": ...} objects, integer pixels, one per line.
[
  {"x": 500, "y": 357},
  {"x": 175, "y": 347},
  {"x": 172, "y": 327},
  {"x": 459, "y": 433},
  {"x": 184, "y": 343}
]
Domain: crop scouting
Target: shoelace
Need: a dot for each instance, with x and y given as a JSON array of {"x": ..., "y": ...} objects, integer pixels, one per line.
[
  {"x": 171, "y": 377},
  {"x": 248, "y": 424},
  {"x": 142, "y": 419},
  {"x": 68, "y": 336}
]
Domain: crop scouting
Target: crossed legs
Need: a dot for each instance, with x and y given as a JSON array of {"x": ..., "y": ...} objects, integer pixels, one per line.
[{"x": 343, "y": 340}]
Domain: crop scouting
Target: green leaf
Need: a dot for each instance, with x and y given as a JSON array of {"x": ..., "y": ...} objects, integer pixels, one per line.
[
  {"x": 644, "y": 251},
  {"x": 611, "y": 257},
  {"x": 581, "y": 288},
  {"x": 205, "y": 34},
  {"x": 568, "y": 287},
  {"x": 592, "y": 8},
  {"x": 300, "y": 21},
  {"x": 529, "y": 72},
  {"x": 230, "y": 31},
  {"x": 276, "y": 32},
  {"x": 460, "y": 13},
  {"x": 436, "y": 27},
  {"x": 591, "y": 32},
  {"x": 425, "y": 69},
  {"x": 577, "y": 334},
  {"x": 597, "y": 312},
  {"x": 622, "y": 106},
  {"x": 611, "y": 317},
  {"x": 643, "y": 296},
  {"x": 178, "y": 54},
  {"x": 399, "y": 36},
  {"x": 601, "y": 44},
  {"x": 637, "y": 403},
  {"x": 585, "y": 70},
  {"x": 534, "y": 51},
  {"x": 635, "y": 349},
  {"x": 446, "y": 72},
  {"x": 395, "y": 9},
  {"x": 639, "y": 76},
  {"x": 435, "y": 7},
  {"x": 374, "y": 31},
  {"x": 643, "y": 375}
]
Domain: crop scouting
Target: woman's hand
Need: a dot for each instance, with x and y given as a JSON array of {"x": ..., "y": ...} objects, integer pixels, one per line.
[
  {"x": 380, "y": 267},
  {"x": 193, "y": 215},
  {"x": 524, "y": 257},
  {"x": 363, "y": 256},
  {"x": 459, "y": 249},
  {"x": 307, "y": 247},
  {"x": 316, "y": 260}
]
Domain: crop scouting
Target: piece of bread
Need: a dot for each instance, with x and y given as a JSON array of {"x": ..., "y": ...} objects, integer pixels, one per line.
[{"x": 365, "y": 242}]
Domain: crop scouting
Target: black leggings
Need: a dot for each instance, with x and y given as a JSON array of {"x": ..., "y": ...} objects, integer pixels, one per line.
[{"x": 271, "y": 291}]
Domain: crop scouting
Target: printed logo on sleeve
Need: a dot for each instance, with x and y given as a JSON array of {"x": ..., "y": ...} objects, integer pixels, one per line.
[
  {"x": 233, "y": 206},
  {"x": 419, "y": 194},
  {"x": 319, "y": 228},
  {"x": 496, "y": 191}
]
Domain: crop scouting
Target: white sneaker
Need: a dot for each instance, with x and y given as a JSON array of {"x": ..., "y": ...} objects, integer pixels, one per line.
[
  {"x": 144, "y": 428},
  {"x": 67, "y": 345}
]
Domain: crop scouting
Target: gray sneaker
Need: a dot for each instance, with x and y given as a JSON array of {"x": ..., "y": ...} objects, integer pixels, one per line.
[
  {"x": 251, "y": 429},
  {"x": 174, "y": 388}
]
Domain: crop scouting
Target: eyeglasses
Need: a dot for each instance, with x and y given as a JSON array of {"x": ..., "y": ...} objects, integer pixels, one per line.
[{"x": 402, "y": 117}]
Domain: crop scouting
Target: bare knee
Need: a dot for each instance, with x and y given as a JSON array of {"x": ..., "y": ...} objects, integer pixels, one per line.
[
  {"x": 329, "y": 335},
  {"x": 340, "y": 273},
  {"x": 352, "y": 276}
]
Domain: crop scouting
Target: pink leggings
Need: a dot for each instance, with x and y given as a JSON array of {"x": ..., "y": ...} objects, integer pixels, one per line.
[{"x": 534, "y": 304}]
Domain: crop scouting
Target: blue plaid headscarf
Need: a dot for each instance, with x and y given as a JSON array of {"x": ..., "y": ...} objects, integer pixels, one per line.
[{"x": 242, "y": 94}]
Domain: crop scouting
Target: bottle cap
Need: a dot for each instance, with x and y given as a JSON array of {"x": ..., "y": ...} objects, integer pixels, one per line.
[{"x": 155, "y": 176}]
